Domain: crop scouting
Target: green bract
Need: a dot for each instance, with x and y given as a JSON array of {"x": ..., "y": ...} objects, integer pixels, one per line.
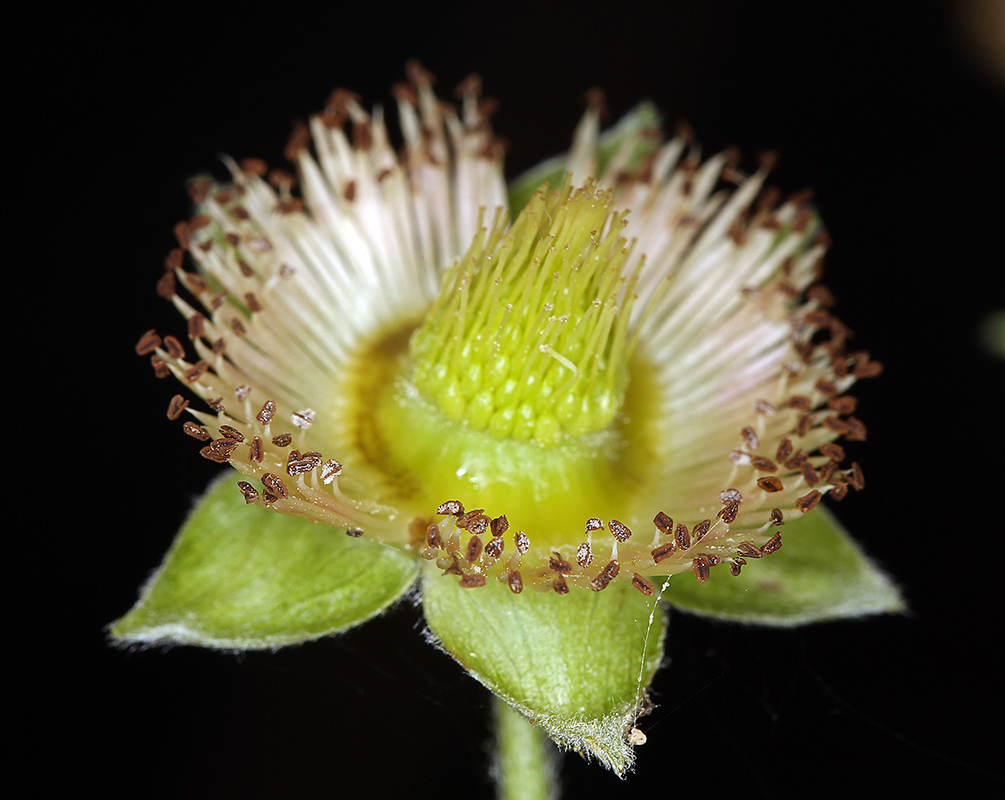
[{"x": 636, "y": 379}]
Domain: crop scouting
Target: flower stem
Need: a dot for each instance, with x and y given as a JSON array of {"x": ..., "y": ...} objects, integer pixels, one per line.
[{"x": 526, "y": 763}]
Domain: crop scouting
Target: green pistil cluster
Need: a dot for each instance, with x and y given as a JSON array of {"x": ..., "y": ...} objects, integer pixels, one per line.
[{"x": 529, "y": 338}]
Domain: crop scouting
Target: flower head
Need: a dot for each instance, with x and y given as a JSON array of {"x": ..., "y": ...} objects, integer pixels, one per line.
[{"x": 635, "y": 376}]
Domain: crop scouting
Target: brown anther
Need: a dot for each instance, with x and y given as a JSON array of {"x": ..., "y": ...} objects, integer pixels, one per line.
[
  {"x": 702, "y": 567},
  {"x": 663, "y": 552},
  {"x": 349, "y": 192},
  {"x": 827, "y": 471},
  {"x": 267, "y": 413},
  {"x": 499, "y": 526},
  {"x": 298, "y": 464},
  {"x": 558, "y": 564},
  {"x": 237, "y": 326},
  {"x": 219, "y": 456},
  {"x": 254, "y": 166},
  {"x": 176, "y": 257},
  {"x": 619, "y": 530},
  {"x": 196, "y": 431},
  {"x": 770, "y": 484},
  {"x": 161, "y": 369},
  {"x": 834, "y": 452},
  {"x": 868, "y": 369},
  {"x": 474, "y": 549},
  {"x": 763, "y": 464},
  {"x": 515, "y": 582},
  {"x": 196, "y": 283},
  {"x": 433, "y": 538},
  {"x": 273, "y": 482},
  {"x": 606, "y": 575},
  {"x": 474, "y": 521},
  {"x": 797, "y": 460},
  {"x": 173, "y": 347},
  {"x": 727, "y": 496},
  {"x": 809, "y": 474},
  {"x": 231, "y": 433},
  {"x": 252, "y": 302},
  {"x": 148, "y": 342},
  {"x": 522, "y": 542},
  {"x": 642, "y": 584},
  {"x": 800, "y": 402},
  {"x": 250, "y": 492},
  {"x": 242, "y": 392},
  {"x": 700, "y": 530},
  {"x": 735, "y": 565},
  {"x": 728, "y": 512},
  {"x": 166, "y": 286},
  {"x": 255, "y": 451},
  {"x": 183, "y": 234},
  {"x": 282, "y": 439},
  {"x": 749, "y": 550},
  {"x": 749, "y": 436},
  {"x": 776, "y": 518},
  {"x": 198, "y": 189},
  {"x": 839, "y": 491},
  {"x": 857, "y": 430},
  {"x": 224, "y": 445},
  {"x": 808, "y": 501},
  {"x": 471, "y": 581},
  {"x": 837, "y": 425},
  {"x": 196, "y": 326},
  {"x": 290, "y": 206},
  {"x": 196, "y": 371},
  {"x": 219, "y": 346},
  {"x": 454, "y": 568},
  {"x": 452, "y": 508},
  {"x": 784, "y": 450},
  {"x": 594, "y": 524},
  {"x": 804, "y": 424},
  {"x": 246, "y": 271},
  {"x": 772, "y": 544},
  {"x": 845, "y": 404},
  {"x": 740, "y": 458},
  {"x": 216, "y": 403},
  {"x": 560, "y": 586},
  {"x": 855, "y": 477},
  {"x": 330, "y": 471},
  {"x": 495, "y": 547},
  {"x": 826, "y": 388},
  {"x": 240, "y": 212},
  {"x": 683, "y": 536},
  {"x": 764, "y": 407},
  {"x": 663, "y": 523},
  {"x": 818, "y": 318},
  {"x": 355, "y": 533},
  {"x": 584, "y": 554},
  {"x": 177, "y": 405}
]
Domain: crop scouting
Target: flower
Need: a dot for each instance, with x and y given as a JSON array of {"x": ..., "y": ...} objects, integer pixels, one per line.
[{"x": 638, "y": 377}]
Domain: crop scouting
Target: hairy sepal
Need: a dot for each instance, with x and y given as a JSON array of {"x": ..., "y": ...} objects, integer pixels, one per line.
[
  {"x": 577, "y": 664},
  {"x": 239, "y": 577}
]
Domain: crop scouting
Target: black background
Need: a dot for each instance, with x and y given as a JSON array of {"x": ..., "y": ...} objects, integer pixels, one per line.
[{"x": 879, "y": 107}]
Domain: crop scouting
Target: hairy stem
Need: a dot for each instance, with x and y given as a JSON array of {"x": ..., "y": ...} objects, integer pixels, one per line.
[{"x": 526, "y": 762}]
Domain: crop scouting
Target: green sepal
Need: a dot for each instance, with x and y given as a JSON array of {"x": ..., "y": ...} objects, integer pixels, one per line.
[
  {"x": 578, "y": 664},
  {"x": 240, "y": 577},
  {"x": 643, "y": 117},
  {"x": 819, "y": 574}
]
